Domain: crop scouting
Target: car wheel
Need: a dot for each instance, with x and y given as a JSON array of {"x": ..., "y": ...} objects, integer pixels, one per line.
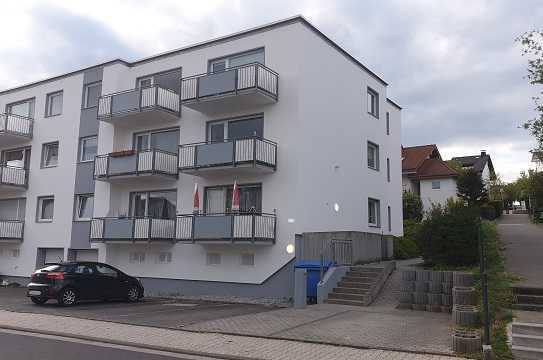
[
  {"x": 67, "y": 297},
  {"x": 133, "y": 294},
  {"x": 38, "y": 300}
]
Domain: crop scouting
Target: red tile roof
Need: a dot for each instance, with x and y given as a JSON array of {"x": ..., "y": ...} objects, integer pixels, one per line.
[
  {"x": 414, "y": 156},
  {"x": 435, "y": 168}
]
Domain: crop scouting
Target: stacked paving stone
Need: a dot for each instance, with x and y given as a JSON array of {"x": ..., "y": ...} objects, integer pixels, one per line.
[
  {"x": 426, "y": 290},
  {"x": 466, "y": 338}
]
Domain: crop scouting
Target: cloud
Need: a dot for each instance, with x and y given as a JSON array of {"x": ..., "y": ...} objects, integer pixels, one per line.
[{"x": 453, "y": 65}]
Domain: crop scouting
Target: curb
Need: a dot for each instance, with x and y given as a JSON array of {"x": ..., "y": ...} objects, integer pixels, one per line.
[{"x": 128, "y": 343}]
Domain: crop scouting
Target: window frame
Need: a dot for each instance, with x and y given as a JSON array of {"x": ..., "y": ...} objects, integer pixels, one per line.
[
  {"x": 389, "y": 214},
  {"x": 438, "y": 182},
  {"x": 209, "y": 257},
  {"x": 86, "y": 94},
  {"x": 49, "y": 103},
  {"x": 77, "y": 207},
  {"x": 388, "y": 169},
  {"x": 377, "y": 204},
  {"x": 39, "y": 209},
  {"x": 227, "y": 59},
  {"x": 145, "y": 78},
  {"x": 226, "y": 188},
  {"x": 82, "y": 140},
  {"x": 148, "y": 193},
  {"x": 167, "y": 257},
  {"x": 242, "y": 255},
  {"x": 140, "y": 259},
  {"x": 31, "y": 108},
  {"x": 377, "y": 160},
  {"x": 149, "y": 134},
  {"x": 388, "y": 123},
  {"x": 373, "y": 105},
  {"x": 45, "y": 152}
]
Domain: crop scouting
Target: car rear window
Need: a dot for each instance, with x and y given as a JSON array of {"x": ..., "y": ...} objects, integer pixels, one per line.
[{"x": 54, "y": 268}]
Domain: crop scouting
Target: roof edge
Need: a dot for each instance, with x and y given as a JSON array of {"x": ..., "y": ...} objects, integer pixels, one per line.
[{"x": 394, "y": 104}]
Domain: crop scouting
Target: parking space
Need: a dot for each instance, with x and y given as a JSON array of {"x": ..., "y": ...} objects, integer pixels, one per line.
[{"x": 165, "y": 313}]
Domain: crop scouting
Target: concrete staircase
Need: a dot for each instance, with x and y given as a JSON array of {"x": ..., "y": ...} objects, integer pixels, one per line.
[
  {"x": 527, "y": 341},
  {"x": 528, "y": 299},
  {"x": 356, "y": 286}
]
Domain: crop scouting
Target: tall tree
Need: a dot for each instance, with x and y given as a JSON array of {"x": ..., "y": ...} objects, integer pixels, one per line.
[
  {"x": 532, "y": 43},
  {"x": 471, "y": 187}
]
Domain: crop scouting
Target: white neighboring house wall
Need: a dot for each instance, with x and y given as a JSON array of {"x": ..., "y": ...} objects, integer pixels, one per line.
[{"x": 430, "y": 196}]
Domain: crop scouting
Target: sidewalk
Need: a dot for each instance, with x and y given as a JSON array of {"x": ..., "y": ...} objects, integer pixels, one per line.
[{"x": 226, "y": 346}]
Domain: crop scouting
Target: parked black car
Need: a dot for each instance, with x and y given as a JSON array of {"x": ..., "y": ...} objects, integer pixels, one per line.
[{"x": 69, "y": 282}]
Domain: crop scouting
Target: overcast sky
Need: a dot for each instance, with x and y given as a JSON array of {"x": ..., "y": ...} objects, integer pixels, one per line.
[{"x": 452, "y": 65}]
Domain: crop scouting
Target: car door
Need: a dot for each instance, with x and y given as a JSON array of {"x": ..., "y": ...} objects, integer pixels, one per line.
[
  {"x": 111, "y": 282},
  {"x": 85, "y": 282}
]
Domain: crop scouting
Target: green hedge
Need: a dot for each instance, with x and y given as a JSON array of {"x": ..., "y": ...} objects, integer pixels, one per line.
[{"x": 406, "y": 247}]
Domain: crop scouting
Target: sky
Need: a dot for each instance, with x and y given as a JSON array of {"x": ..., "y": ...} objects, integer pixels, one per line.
[{"x": 453, "y": 65}]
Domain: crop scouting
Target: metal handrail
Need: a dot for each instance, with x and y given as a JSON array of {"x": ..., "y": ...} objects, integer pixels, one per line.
[
  {"x": 8, "y": 116},
  {"x": 233, "y": 213},
  {"x": 141, "y": 151},
  {"x": 230, "y": 69},
  {"x": 137, "y": 88},
  {"x": 209, "y": 142}
]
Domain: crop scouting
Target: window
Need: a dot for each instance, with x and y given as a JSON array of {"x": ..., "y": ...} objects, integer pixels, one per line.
[
  {"x": 13, "y": 209},
  {"x": 46, "y": 208},
  {"x": 388, "y": 123},
  {"x": 91, "y": 94},
  {"x": 137, "y": 257},
  {"x": 105, "y": 270},
  {"x": 164, "y": 258},
  {"x": 248, "y": 259},
  {"x": 15, "y": 253},
  {"x": 213, "y": 259},
  {"x": 167, "y": 140},
  {"x": 389, "y": 219},
  {"x": 249, "y": 57},
  {"x": 373, "y": 156},
  {"x": 388, "y": 169},
  {"x": 373, "y": 102},
  {"x": 218, "y": 131},
  {"x": 21, "y": 108},
  {"x": 83, "y": 269},
  {"x": 436, "y": 185},
  {"x": 19, "y": 158},
  {"x": 374, "y": 212},
  {"x": 154, "y": 204},
  {"x": 84, "y": 207},
  {"x": 88, "y": 148},
  {"x": 218, "y": 200},
  {"x": 54, "y": 104},
  {"x": 145, "y": 82},
  {"x": 49, "y": 155}
]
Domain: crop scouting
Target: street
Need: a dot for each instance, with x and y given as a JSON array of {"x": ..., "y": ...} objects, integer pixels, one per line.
[{"x": 17, "y": 345}]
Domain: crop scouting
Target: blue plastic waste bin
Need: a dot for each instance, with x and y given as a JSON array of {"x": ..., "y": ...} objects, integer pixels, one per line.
[{"x": 313, "y": 268}]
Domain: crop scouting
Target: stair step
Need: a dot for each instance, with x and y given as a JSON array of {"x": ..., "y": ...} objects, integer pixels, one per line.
[
  {"x": 345, "y": 302},
  {"x": 342, "y": 296},
  {"x": 532, "y": 341},
  {"x": 349, "y": 290},
  {"x": 522, "y": 290},
  {"x": 355, "y": 284},
  {"x": 528, "y": 307},
  {"x": 358, "y": 278},
  {"x": 366, "y": 270},
  {"x": 527, "y": 353},
  {"x": 529, "y": 299},
  {"x": 521, "y": 328}
]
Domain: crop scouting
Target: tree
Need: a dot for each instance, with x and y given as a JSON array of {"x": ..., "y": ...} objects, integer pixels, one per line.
[
  {"x": 412, "y": 206},
  {"x": 471, "y": 187},
  {"x": 532, "y": 43}
]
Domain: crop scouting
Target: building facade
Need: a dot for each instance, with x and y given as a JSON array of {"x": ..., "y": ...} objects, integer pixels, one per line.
[{"x": 106, "y": 160}]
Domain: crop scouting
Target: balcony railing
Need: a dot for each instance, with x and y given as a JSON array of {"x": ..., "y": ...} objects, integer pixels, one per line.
[
  {"x": 138, "y": 100},
  {"x": 239, "y": 152},
  {"x": 231, "y": 81},
  {"x": 11, "y": 124},
  {"x": 13, "y": 176},
  {"x": 132, "y": 229},
  {"x": 227, "y": 227},
  {"x": 134, "y": 163},
  {"x": 12, "y": 230}
]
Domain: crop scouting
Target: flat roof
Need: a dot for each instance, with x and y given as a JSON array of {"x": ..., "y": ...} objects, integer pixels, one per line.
[{"x": 294, "y": 19}]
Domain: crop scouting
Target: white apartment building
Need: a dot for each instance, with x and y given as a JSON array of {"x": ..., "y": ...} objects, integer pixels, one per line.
[{"x": 101, "y": 163}]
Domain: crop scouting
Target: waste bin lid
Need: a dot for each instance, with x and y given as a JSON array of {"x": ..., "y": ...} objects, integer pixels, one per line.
[{"x": 311, "y": 264}]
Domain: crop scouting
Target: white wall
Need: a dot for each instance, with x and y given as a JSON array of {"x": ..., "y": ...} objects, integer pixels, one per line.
[{"x": 431, "y": 196}]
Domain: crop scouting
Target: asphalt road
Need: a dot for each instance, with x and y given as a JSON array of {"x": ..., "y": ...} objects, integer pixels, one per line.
[
  {"x": 17, "y": 345},
  {"x": 164, "y": 313}
]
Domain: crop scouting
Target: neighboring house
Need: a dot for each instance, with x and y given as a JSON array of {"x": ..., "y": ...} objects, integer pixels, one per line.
[
  {"x": 427, "y": 175},
  {"x": 101, "y": 163},
  {"x": 481, "y": 163}
]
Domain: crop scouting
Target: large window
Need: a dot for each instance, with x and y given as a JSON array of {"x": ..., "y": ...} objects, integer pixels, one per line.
[
  {"x": 19, "y": 158},
  {"x": 373, "y": 102},
  {"x": 88, "y": 146},
  {"x": 46, "y": 208},
  {"x": 21, "y": 108},
  {"x": 373, "y": 156},
  {"x": 218, "y": 131},
  {"x": 374, "y": 212},
  {"x": 84, "y": 207},
  {"x": 54, "y": 104},
  {"x": 167, "y": 140},
  {"x": 249, "y": 57},
  {"x": 49, "y": 156},
  {"x": 219, "y": 199},
  {"x": 91, "y": 94},
  {"x": 154, "y": 204}
]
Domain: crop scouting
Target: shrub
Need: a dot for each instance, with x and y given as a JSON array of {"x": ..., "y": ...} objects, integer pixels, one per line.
[
  {"x": 406, "y": 247},
  {"x": 488, "y": 212},
  {"x": 448, "y": 236},
  {"x": 412, "y": 206},
  {"x": 498, "y": 207}
]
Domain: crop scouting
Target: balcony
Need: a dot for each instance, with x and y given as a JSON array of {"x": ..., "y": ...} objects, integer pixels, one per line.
[
  {"x": 238, "y": 228},
  {"x": 242, "y": 155},
  {"x": 137, "y": 105},
  {"x": 12, "y": 177},
  {"x": 230, "y": 90},
  {"x": 15, "y": 129},
  {"x": 11, "y": 230},
  {"x": 130, "y": 165},
  {"x": 132, "y": 229}
]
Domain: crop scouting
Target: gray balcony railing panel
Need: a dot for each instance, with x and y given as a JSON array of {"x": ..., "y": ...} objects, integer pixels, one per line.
[
  {"x": 212, "y": 227},
  {"x": 214, "y": 154},
  {"x": 130, "y": 228},
  {"x": 10, "y": 175},
  {"x": 125, "y": 102},
  {"x": 118, "y": 228},
  {"x": 11, "y": 229},
  {"x": 142, "y": 162},
  {"x": 137, "y": 100},
  {"x": 122, "y": 165},
  {"x": 16, "y": 125},
  {"x": 219, "y": 83}
]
